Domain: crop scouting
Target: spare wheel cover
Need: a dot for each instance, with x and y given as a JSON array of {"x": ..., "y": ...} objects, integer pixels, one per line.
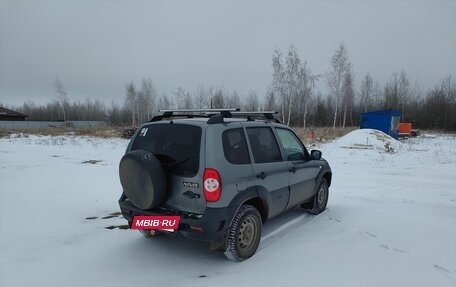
[{"x": 143, "y": 179}]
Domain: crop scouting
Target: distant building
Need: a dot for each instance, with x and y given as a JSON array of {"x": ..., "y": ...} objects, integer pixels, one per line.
[
  {"x": 9, "y": 115},
  {"x": 386, "y": 121}
]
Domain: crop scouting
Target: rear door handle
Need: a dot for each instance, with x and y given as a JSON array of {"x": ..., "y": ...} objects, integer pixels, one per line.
[
  {"x": 293, "y": 169},
  {"x": 261, "y": 175}
]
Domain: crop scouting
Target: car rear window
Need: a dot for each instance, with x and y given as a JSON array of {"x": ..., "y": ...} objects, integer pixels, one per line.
[{"x": 177, "y": 146}]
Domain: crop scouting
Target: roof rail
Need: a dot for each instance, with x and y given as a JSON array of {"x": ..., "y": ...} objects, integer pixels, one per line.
[
  {"x": 199, "y": 110},
  {"x": 269, "y": 115},
  {"x": 265, "y": 114},
  {"x": 194, "y": 113}
]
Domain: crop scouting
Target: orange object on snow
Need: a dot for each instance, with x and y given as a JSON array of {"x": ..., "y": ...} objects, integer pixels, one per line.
[{"x": 405, "y": 129}]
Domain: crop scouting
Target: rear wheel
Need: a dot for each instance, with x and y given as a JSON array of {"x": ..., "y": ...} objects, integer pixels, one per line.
[
  {"x": 244, "y": 234},
  {"x": 320, "y": 200}
]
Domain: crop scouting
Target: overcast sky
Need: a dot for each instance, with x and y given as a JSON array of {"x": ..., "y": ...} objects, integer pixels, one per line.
[{"x": 95, "y": 47}]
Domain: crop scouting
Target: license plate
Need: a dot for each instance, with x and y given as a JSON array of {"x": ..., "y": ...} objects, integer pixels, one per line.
[{"x": 153, "y": 222}]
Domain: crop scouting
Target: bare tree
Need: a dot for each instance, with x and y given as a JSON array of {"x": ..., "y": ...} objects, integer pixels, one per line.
[
  {"x": 131, "y": 102},
  {"x": 291, "y": 79},
  {"x": 62, "y": 98},
  {"x": 141, "y": 103},
  {"x": 218, "y": 97},
  {"x": 28, "y": 108},
  {"x": 367, "y": 90},
  {"x": 438, "y": 108},
  {"x": 233, "y": 101},
  {"x": 292, "y": 85},
  {"x": 201, "y": 98},
  {"x": 340, "y": 64},
  {"x": 448, "y": 86},
  {"x": 278, "y": 80},
  {"x": 148, "y": 97},
  {"x": 251, "y": 103},
  {"x": 164, "y": 103},
  {"x": 270, "y": 103},
  {"x": 448, "y": 90},
  {"x": 378, "y": 97},
  {"x": 347, "y": 96},
  {"x": 306, "y": 84},
  {"x": 397, "y": 92},
  {"x": 141, "y": 107},
  {"x": 183, "y": 98}
]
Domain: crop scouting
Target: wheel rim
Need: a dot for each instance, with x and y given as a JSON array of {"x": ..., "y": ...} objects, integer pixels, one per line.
[
  {"x": 321, "y": 195},
  {"x": 247, "y": 233}
]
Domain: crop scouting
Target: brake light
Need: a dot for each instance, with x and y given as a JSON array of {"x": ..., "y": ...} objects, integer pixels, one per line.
[{"x": 212, "y": 185}]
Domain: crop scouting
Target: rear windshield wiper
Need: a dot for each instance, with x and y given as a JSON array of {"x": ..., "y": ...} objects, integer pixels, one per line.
[
  {"x": 181, "y": 161},
  {"x": 165, "y": 159},
  {"x": 169, "y": 162}
]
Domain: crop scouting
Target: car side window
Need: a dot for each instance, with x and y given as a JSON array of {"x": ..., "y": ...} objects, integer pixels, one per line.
[
  {"x": 235, "y": 146},
  {"x": 291, "y": 145},
  {"x": 264, "y": 145}
]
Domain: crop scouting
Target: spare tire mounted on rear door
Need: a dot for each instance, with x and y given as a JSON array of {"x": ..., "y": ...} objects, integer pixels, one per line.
[{"x": 143, "y": 179}]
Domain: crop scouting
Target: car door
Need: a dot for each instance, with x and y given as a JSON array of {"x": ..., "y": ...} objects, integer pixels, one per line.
[
  {"x": 302, "y": 170},
  {"x": 270, "y": 171}
]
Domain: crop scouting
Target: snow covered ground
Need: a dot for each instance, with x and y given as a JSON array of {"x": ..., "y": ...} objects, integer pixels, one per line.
[{"x": 391, "y": 221}]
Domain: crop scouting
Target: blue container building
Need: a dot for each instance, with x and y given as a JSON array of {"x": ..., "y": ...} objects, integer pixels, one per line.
[{"x": 386, "y": 121}]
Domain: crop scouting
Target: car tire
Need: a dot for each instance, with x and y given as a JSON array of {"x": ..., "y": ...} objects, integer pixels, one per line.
[
  {"x": 143, "y": 179},
  {"x": 320, "y": 200},
  {"x": 244, "y": 234}
]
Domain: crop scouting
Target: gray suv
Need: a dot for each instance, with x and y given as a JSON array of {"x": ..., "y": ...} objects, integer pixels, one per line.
[{"x": 224, "y": 172}]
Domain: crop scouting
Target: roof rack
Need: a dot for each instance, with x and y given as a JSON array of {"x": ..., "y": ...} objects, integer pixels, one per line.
[
  {"x": 215, "y": 115},
  {"x": 194, "y": 113},
  {"x": 200, "y": 110},
  {"x": 251, "y": 116},
  {"x": 266, "y": 114}
]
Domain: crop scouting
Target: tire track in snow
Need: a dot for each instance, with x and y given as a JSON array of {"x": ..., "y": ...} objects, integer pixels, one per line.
[{"x": 272, "y": 236}]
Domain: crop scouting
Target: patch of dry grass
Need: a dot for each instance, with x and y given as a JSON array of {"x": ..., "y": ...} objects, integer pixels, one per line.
[
  {"x": 101, "y": 132},
  {"x": 314, "y": 135}
]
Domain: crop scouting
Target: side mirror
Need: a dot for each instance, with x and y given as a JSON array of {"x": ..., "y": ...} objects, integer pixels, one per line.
[{"x": 315, "y": 155}]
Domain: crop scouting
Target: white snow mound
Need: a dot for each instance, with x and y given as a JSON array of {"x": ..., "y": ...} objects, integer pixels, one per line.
[{"x": 369, "y": 139}]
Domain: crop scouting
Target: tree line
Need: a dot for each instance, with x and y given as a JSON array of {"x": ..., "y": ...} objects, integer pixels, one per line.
[{"x": 292, "y": 92}]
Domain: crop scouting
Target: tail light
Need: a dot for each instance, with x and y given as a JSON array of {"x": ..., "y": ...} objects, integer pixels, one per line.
[{"x": 212, "y": 185}]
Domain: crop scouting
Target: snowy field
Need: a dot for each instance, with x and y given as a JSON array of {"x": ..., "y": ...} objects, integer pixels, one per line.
[{"x": 391, "y": 221}]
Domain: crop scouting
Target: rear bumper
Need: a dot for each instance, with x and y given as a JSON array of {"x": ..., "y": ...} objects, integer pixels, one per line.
[{"x": 209, "y": 226}]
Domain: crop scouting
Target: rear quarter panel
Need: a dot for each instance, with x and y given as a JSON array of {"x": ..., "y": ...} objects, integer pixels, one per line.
[{"x": 235, "y": 178}]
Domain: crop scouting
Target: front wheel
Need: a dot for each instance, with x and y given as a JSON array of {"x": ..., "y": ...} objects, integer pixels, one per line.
[
  {"x": 320, "y": 200},
  {"x": 244, "y": 234}
]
